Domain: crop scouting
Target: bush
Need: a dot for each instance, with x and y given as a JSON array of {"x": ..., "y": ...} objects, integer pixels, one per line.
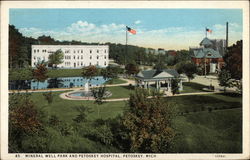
[{"x": 210, "y": 109}]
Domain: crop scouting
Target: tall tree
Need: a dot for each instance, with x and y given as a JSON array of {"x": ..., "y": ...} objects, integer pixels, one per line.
[
  {"x": 17, "y": 50},
  {"x": 148, "y": 122},
  {"x": 131, "y": 69},
  {"x": 40, "y": 73},
  {"x": 189, "y": 69},
  {"x": 224, "y": 79},
  {"x": 99, "y": 95},
  {"x": 233, "y": 60},
  {"x": 56, "y": 58},
  {"x": 175, "y": 85}
]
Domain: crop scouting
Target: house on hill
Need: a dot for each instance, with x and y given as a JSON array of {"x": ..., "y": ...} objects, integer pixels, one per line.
[
  {"x": 160, "y": 79},
  {"x": 209, "y": 54}
]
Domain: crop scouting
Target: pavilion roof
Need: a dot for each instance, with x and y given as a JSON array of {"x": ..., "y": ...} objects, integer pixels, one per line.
[{"x": 157, "y": 74}]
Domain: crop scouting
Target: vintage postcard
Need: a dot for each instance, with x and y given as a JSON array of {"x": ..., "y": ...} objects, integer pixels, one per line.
[{"x": 124, "y": 80}]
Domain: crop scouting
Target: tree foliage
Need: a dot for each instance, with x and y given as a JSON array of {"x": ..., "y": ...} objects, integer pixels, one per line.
[
  {"x": 56, "y": 58},
  {"x": 233, "y": 60},
  {"x": 189, "y": 69},
  {"x": 224, "y": 78},
  {"x": 48, "y": 96},
  {"x": 89, "y": 72},
  {"x": 110, "y": 72},
  {"x": 131, "y": 69},
  {"x": 148, "y": 122},
  {"x": 175, "y": 85},
  {"x": 40, "y": 72}
]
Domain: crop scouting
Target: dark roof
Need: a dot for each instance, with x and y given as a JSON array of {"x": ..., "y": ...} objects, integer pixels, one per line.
[
  {"x": 206, "y": 42},
  {"x": 207, "y": 52},
  {"x": 156, "y": 74}
]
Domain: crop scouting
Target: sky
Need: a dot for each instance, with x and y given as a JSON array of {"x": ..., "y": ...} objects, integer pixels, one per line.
[{"x": 156, "y": 28}]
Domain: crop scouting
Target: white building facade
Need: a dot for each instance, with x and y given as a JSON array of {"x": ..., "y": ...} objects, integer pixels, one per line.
[{"x": 75, "y": 56}]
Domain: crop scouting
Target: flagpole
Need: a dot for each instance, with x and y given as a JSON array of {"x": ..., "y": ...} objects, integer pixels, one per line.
[
  {"x": 206, "y": 31},
  {"x": 126, "y": 49}
]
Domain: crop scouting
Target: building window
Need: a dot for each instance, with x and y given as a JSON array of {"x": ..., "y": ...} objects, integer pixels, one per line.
[
  {"x": 105, "y": 63},
  {"x": 90, "y": 57},
  {"x": 90, "y": 51},
  {"x": 38, "y": 50},
  {"x": 97, "y": 63},
  {"x": 81, "y": 51},
  {"x": 97, "y": 57},
  {"x": 90, "y": 63},
  {"x": 74, "y": 51},
  {"x": 104, "y": 57},
  {"x": 81, "y": 63},
  {"x": 97, "y": 51},
  {"x": 74, "y": 57},
  {"x": 77, "y": 57},
  {"x": 34, "y": 51},
  {"x": 34, "y": 57},
  {"x": 81, "y": 57}
]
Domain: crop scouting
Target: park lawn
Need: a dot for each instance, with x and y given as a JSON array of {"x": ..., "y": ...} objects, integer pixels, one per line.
[
  {"x": 195, "y": 103},
  {"x": 218, "y": 131},
  {"x": 54, "y": 73},
  {"x": 198, "y": 130},
  {"x": 115, "y": 81},
  {"x": 120, "y": 91},
  {"x": 190, "y": 87},
  {"x": 65, "y": 109}
]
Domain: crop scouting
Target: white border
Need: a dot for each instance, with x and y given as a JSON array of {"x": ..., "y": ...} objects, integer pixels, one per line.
[{"x": 6, "y": 5}]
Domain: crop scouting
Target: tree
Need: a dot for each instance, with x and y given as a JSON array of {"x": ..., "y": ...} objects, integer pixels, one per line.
[
  {"x": 224, "y": 79},
  {"x": 56, "y": 58},
  {"x": 131, "y": 69},
  {"x": 18, "y": 53},
  {"x": 160, "y": 65},
  {"x": 83, "y": 113},
  {"x": 233, "y": 60},
  {"x": 110, "y": 72},
  {"x": 148, "y": 122},
  {"x": 40, "y": 73},
  {"x": 48, "y": 96},
  {"x": 23, "y": 120},
  {"x": 175, "y": 85},
  {"x": 99, "y": 95},
  {"x": 89, "y": 72},
  {"x": 189, "y": 69}
]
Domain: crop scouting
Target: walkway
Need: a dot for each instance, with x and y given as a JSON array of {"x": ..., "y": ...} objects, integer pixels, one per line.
[{"x": 65, "y": 96}]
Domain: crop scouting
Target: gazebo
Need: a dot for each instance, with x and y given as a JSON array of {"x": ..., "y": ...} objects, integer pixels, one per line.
[{"x": 161, "y": 79}]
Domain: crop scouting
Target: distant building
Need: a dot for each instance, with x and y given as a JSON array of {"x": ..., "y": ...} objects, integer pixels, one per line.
[
  {"x": 210, "y": 53},
  {"x": 154, "y": 51},
  {"x": 75, "y": 56}
]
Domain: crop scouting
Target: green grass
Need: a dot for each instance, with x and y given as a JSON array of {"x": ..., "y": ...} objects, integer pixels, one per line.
[
  {"x": 198, "y": 131},
  {"x": 216, "y": 132},
  {"x": 115, "y": 81},
  {"x": 120, "y": 91},
  {"x": 190, "y": 87},
  {"x": 54, "y": 73},
  {"x": 196, "y": 103},
  {"x": 65, "y": 109}
]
